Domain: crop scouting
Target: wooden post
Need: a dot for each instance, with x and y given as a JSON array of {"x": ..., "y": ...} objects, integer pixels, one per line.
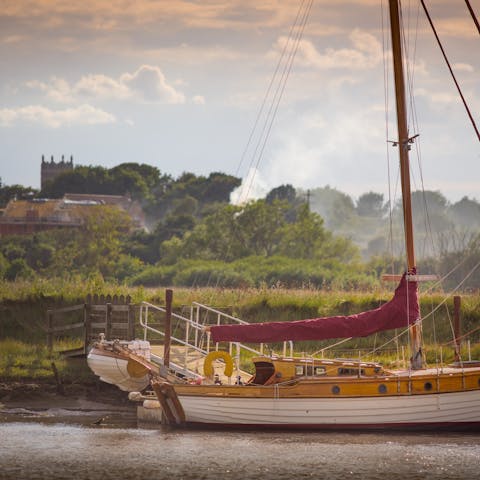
[
  {"x": 131, "y": 322},
  {"x": 50, "y": 331},
  {"x": 108, "y": 326},
  {"x": 58, "y": 380},
  {"x": 168, "y": 327},
  {"x": 87, "y": 326},
  {"x": 457, "y": 326}
]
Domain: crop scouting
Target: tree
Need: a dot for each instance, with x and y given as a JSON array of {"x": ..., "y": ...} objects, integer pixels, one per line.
[
  {"x": 304, "y": 238},
  {"x": 218, "y": 187},
  {"x": 9, "y": 192},
  {"x": 96, "y": 247},
  {"x": 371, "y": 204},
  {"x": 335, "y": 207},
  {"x": 260, "y": 224},
  {"x": 283, "y": 192},
  {"x": 465, "y": 213},
  {"x": 17, "y": 269}
]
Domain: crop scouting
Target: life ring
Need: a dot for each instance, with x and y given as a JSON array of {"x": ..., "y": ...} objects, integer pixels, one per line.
[{"x": 215, "y": 355}]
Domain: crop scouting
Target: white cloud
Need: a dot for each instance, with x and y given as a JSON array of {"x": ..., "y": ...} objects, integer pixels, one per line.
[
  {"x": 150, "y": 83},
  {"x": 37, "y": 114},
  {"x": 252, "y": 187},
  {"x": 198, "y": 100},
  {"x": 147, "y": 83},
  {"x": 437, "y": 98},
  {"x": 101, "y": 86},
  {"x": 320, "y": 150},
  {"x": 11, "y": 39},
  {"x": 366, "y": 53},
  {"x": 463, "y": 67},
  {"x": 57, "y": 90}
]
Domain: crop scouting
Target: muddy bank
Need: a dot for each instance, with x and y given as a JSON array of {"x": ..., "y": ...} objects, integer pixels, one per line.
[{"x": 89, "y": 404}]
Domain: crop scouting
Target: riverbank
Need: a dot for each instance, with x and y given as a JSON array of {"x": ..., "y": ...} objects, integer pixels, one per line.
[{"x": 97, "y": 404}]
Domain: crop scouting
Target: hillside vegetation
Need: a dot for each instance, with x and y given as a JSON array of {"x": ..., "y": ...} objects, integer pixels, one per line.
[{"x": 194, "y": 237}]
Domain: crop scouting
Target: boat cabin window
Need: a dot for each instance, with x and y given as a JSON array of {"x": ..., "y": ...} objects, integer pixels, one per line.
[
  {"x": 309, "y": 370},
  {"x": 350, "y": 371}
]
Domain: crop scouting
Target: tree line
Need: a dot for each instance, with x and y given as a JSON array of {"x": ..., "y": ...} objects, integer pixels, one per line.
[{"x": 197, "y": 238}]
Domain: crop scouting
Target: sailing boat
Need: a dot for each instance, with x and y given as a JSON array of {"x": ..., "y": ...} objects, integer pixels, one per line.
[{"x": 289, "y": 392}]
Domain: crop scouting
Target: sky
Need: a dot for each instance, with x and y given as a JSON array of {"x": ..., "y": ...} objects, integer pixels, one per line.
[{"x": 179, "y": 85}]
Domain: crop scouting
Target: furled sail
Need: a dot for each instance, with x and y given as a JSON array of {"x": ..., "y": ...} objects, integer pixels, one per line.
[{"x": 401, "y": 311}]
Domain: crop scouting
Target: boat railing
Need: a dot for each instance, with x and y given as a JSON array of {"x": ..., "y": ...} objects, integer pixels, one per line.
[
  {"x": 191, "y": 334},
  {"x": 224, "y": 318}
]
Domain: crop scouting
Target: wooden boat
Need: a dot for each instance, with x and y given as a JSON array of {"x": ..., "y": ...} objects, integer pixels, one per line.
[
  {"x": 338, "y": 394},
  {"x": 332, "y": 394}
]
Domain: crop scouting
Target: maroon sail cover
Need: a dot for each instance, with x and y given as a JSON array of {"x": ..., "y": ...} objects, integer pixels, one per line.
[{"x": 401, "y": 311}]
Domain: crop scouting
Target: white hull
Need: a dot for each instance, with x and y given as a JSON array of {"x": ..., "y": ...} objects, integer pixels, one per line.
[
  {"x": 445, "y": 409},
  {"x": 113, "y": 370}
]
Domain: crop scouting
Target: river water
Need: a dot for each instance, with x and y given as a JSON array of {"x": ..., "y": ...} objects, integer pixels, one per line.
[{"x": 57, "y": 446}]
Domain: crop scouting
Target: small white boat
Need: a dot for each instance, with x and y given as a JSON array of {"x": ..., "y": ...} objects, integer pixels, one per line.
[{"x": 112, "y": 363}]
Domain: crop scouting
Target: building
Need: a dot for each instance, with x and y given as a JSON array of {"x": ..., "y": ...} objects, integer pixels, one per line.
[
  {"x": 25, "y": 217},
  {"x": 50, "y": 170},
  {"x": 124, "y": 202}
]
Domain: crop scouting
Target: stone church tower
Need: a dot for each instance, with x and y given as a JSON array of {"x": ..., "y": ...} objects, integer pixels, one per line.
[{"x": 51, "y": 170}]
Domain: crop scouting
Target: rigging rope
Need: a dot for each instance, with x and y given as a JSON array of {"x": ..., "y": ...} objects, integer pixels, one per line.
[
  {"x": 286, "y": 57},
  {"x": 267, "y": 93},
  {"x": 271, "y": 114},
  {"x": 472, "y": 120},
  {"x": 386, "y": 78},
  {"x": 472, "y": 13}
]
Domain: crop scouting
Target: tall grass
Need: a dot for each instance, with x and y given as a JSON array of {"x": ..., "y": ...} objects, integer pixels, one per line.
[
  {"x": 32, "y": 361},
  {"x": 23, "y": 305}
]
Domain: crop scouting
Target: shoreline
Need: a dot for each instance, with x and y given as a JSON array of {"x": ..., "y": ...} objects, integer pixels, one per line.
[{"x": 98, "y": 404}]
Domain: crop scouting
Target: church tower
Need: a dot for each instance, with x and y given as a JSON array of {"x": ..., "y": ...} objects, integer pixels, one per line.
[{"x": 51, "y": 170}]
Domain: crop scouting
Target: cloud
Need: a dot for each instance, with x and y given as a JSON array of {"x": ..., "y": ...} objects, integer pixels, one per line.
[
  {"x": 147, "y": 83},
  {"x": 198, "y": 100},
  {"x": 150, "y": 83},
  {"x": 57, "y": 89},
  {"x": 252, "y": 188},
  {"x": 437, "y": 98},
  {"x": 456, "y": 27},
  {"x": 121, "y": 15},
  {"x": 463, "y": 67},
  {"x": 366, "y": 52},
  {"x": 101, "y": 86},
  {"x": 11, "y": 39},
  {"x": 37, "y": 114}
]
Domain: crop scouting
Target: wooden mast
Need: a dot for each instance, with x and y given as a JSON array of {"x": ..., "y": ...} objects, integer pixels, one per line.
[{"x": 403, "y": 148}]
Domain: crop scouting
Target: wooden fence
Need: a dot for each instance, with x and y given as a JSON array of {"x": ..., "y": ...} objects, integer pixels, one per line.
[{"x": 113, "y": 316}]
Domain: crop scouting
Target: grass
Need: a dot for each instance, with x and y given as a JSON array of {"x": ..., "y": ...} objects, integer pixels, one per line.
[
  {"x": 23, "y": 305},
  {"x": 19, "y": 360},
  {"x": 31, "y": 361}
]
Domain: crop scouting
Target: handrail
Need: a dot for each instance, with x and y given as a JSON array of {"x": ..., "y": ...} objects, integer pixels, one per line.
[
  {"x": 198, "y": 326},
  {"x": 219, "y": 312},
  {"x": 241, "y": 322},
  {"x": 194, "y": 322}
]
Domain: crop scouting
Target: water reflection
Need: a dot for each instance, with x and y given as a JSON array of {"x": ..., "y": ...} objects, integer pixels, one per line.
[{"x": 33, "y": 450}]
